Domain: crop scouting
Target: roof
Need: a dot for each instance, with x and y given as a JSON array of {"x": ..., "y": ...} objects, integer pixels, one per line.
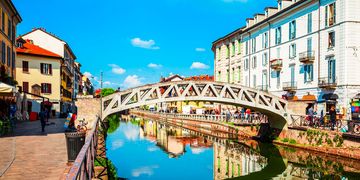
[
  {"x": 171, "y": 78},
  {"x": 31, "y": 49},
  {"x": 199, "y": 78},
  {"x": 53, "y": 35}
]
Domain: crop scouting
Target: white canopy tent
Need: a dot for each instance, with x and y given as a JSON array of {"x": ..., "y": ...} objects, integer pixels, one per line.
[{"x": 7, "y": 90}]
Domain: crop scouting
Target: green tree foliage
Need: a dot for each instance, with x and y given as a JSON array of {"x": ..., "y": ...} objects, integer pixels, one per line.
[
  {"x": 107, "y": 91},
  {"x": 114, "y": 123}
]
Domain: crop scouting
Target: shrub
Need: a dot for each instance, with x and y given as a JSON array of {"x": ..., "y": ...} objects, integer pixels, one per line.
[
  {"x": 292, "y": 141},
  {"x": 285, "y": 140}
]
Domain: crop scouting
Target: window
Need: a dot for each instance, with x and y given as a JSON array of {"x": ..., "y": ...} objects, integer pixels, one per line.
[
  {"x": 3, "y": 52},
  {"x": 3, "y": 21},
  {"x": 239, "y": 73},
  {"x": 233, "y": 75},
  {"x": 265, "y": 40},
  {"x": 264, "y": 59},
  {"x": 254, "y": 80},
  {"x": 309, "y": 24},
  {"x": 227, "y": 76},
  {"x": 46, "y": 69},
  {"x": 254, "y": 63},
  {"x": 8, "y": 55},
  {"x": 25, "y": 66},
  {"x": 309, "y": 45},
  {"x": 227, "y": 51},
  {"x": 233, "y": 48},
  {"x": 330, "y": 15},
  {"x": 309, "y": 74},
  {"x": 292, "y": 30},
  {"x": 239, "y": 46},
  {"x": 278, "y": 79},
  {"x": 9, "y": 29},
  {"x": 331, "y": 39},
  {"x": 247, "y": 47},
  {"x": 253, "y": 45},
  {"x": 46, "y": 88},
  {"x": 278, "y": 35},
  {"x": 219, "y": 53},
  {"x": 246, "y": 64},
  {"x": 292, "y": 51},
  {"x": 219, "y": 76},
  {"x": 25, "y": 86},
  {"x": 332, "y": 70}
]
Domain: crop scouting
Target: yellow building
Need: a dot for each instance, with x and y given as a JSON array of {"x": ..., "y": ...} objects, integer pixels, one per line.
[
  {"x": 38, "y": 72},
  {"x": 9, "y": 18}
]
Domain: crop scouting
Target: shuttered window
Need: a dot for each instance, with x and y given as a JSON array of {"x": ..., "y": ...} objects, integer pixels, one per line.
[
  {"x": 25, "y": 66},
  {"x": 46, "y": 88}
]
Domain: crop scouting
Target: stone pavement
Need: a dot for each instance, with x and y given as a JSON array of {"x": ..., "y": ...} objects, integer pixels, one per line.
[{"x": 37, "y": 155}]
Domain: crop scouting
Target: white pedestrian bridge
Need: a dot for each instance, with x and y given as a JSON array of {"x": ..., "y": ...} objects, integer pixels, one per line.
[{"x": 268, "y": 104}]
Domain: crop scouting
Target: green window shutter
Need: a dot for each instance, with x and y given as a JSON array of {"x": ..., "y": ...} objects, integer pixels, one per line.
[{"x": 326, "y": 16}]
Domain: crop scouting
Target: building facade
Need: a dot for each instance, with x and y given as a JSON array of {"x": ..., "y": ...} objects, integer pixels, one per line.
[
  {"x": 305, "y": 50},
  {"x": 48, "y": 41},
  {"x": 9, "y": 18},
  {"x": 38, "y": 72}
]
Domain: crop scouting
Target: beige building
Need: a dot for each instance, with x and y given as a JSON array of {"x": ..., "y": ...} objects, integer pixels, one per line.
[
  {"x": 38, "y": 72},
  {"x": 9, "y": 18}
]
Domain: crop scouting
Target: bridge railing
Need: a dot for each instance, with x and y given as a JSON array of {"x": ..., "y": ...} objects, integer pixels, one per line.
[
  {"x": 83, "y": 167},
  {"x": 317, "y": 122},
  {"x": 253, "y": 118}
]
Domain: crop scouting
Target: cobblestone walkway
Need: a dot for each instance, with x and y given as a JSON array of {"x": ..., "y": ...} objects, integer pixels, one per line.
[{"x": 37, "y": 155}]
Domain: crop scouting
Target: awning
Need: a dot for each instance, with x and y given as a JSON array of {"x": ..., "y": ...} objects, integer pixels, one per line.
[
  {"x": 309, "y": 97},
  {"x": 7, "y": 90},
  {"x": 330, "y": 96},
  {"x": 46, "y": 103}
]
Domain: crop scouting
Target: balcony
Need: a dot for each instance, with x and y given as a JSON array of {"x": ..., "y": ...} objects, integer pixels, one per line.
[
  {"x": 290, "y": 86},
  {"x": 276, "y": 64},
  {"x": 263, "y": 88},
  {"x": 327, "y": 82},
  {"x": 307, "y": 57}
]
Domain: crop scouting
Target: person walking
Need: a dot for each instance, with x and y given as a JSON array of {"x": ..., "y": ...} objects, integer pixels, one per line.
[
  {"x": 332, "y": 113},
  {"x": 311, "y": 115},
  {"x": 42, "y": 119}
]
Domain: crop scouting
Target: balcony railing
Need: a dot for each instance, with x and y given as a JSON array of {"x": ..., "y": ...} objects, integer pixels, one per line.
[
  {"x": 327, "y": 82},
  {"x": 276, "y": 64},
  {"x": 307, "y": 57},
  {"x": 290, "y": 86},
  {"x": 263, "y": 87}
]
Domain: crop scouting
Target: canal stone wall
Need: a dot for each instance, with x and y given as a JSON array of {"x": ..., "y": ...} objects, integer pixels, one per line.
[{"x": 88, "y": 109}]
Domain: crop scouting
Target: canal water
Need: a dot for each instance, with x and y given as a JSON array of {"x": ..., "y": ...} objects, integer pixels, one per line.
[{"x": 149, "y": 149}]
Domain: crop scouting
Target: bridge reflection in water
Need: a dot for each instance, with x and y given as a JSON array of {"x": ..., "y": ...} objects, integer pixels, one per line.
[{"x": 193, "y": 153}]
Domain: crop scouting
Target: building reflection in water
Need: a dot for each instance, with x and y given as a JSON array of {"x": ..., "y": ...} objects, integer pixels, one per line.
[{"x": 234, "y": 160}]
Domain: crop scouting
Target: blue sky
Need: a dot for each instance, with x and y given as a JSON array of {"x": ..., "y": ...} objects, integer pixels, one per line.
[{"x": 137, "y": 41}]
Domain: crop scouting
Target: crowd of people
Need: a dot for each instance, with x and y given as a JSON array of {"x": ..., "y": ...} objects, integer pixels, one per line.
[{"x": 313, "y": 119}]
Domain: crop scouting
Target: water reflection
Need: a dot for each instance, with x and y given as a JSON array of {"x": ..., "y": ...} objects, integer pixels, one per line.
[{"x": 149, "y": 149}]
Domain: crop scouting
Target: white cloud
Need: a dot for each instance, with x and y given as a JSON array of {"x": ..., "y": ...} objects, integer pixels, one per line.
[
  {"x": 147, "y": 44},
  {"x": 117, "y": 144},
  {"x": 146, "y": 170},
  {"x": 199, "y": 65},
  {"x": 230, "y": 1},
  {"x": 117, "y": 69},
  {"x": 131, "y": 133},
  {"x": 88, "y": 74},
  {"x": 197, "y": 150},
  {"x": 152, "y": 149},
  {"x": 200, "y": 49},
  {"x": 131, "y": 81},
  {"x": 154, "y": 66},
  {"x": 107, "y": 83}
]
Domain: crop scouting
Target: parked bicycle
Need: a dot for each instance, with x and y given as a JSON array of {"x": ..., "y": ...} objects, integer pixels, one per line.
[{"x": 82, "y": 126}]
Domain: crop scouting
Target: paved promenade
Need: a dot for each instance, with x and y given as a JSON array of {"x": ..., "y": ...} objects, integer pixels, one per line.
[{"x": 32, "y": 154}]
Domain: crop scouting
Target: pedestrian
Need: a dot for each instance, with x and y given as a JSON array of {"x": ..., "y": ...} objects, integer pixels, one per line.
[
  {"x": 332, "y": 113},
  {"x": 311, "y": 115},
  {"x": 46, "y": 115},
  {"x": 247, "y": 114},
  {"x": 228, "y": 114},
  {"x": 42, "y": 119}
]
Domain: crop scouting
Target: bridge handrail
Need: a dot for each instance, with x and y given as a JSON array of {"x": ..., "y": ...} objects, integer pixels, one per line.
[{"x": 83, "y": 167}]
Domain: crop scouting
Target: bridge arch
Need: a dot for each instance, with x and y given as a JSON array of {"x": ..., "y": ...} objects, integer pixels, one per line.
[{"x": 272, "y": 106}]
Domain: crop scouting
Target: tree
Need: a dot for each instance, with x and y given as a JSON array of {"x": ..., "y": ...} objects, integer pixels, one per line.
[{"x": 107, "y": 91}]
